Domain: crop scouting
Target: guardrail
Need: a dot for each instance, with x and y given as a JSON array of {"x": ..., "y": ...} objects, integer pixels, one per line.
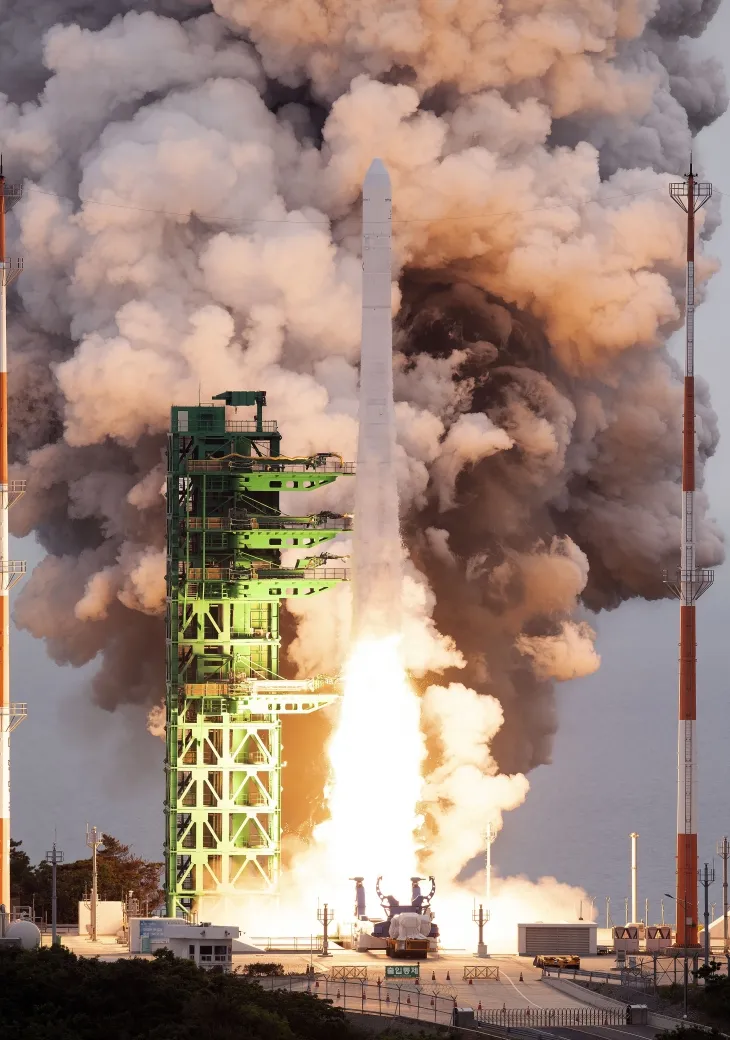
[
  {"x": 551, "y": 1017},
  {"x": 627, "y": 977}
]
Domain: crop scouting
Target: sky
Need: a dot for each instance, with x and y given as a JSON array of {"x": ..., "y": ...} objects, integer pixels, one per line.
[{"x": 614, "y": 758}]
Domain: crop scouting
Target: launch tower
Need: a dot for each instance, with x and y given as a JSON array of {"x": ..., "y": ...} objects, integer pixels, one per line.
[{"x": 225, "y": 697}]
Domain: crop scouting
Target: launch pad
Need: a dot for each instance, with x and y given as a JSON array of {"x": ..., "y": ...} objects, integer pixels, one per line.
[{"x": 224, "y": 694}]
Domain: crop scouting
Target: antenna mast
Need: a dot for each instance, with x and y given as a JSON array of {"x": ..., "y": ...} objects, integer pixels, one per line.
[
  {"x": 11, "y": 715},
  {"x": 688, "y": 586}
]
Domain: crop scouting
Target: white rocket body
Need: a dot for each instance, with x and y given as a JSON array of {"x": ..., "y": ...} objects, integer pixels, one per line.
[{"x": 377, "y": 552}]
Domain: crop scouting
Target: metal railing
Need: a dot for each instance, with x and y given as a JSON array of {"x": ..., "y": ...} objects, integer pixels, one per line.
[
  {"x": 251, "y": 426},
  {"x": 286, "y": 944},
  {"x": 266, "y": 574},
  {"x": 266, "y": 523},
  {"x": 264, "y": 465},
  {"x": 552, "y": 1017},
  {"x": 235, "y": 426},
  {"x": 429, "y": 1002},
  {"x": 258, "y": 687}
]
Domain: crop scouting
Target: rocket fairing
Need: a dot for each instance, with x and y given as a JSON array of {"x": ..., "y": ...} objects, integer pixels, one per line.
[{"x": 377, "y": 556}]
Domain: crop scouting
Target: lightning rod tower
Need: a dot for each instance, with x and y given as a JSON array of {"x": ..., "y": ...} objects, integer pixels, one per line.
[
  {"x": 11, "y": 715},
  {"x": 688, "y": 585}
]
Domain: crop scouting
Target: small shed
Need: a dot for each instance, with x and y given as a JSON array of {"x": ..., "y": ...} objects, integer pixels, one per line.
[
  {"x": 567, "y": 938},
  {"x": 209, "y": 945}
]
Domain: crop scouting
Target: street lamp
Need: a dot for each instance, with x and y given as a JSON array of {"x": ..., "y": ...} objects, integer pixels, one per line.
[{"x": 686, "y": 965}]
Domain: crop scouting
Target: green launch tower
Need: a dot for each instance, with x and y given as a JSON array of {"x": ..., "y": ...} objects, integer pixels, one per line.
[{"x": 224, "y": 694}]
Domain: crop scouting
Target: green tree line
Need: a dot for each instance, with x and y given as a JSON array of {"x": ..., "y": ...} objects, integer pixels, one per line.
[
  {"x": 119, "y": 873},
  {"x": 50, "y": 994}
]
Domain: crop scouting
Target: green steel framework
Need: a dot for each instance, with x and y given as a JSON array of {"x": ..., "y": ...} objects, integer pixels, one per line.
[{"x": 225, "y": 698}]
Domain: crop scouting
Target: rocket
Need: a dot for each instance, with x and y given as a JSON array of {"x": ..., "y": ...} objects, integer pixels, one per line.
[{"x": 376, "y": 558}]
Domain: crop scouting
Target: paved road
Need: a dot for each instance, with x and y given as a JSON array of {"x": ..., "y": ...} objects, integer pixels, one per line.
[{"x": 603, "y": 1032}]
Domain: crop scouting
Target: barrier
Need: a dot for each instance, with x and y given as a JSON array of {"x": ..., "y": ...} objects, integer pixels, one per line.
[
  {"x": 481, "y": 971},
  {"x": 348, "y": 971}
]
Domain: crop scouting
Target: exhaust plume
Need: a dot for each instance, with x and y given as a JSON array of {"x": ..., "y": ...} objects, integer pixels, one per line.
[{"x": 191, "y": 222}]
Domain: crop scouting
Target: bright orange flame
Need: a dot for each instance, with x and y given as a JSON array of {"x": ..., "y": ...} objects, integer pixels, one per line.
[{"x": 376, "y": 754}]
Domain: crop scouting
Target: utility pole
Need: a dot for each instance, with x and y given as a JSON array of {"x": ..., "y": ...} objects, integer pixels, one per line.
[
  {"x": 626, "y": 909},
  {"x": 723, "y": 851},
  {"x": 93, "y": 841},
  {"x": 326, "y": 916},
  {"x": 54, "y": 857},
  {"x": 608, "y": 911},
  {"x": 634, "y": 877},
  {"x": 706, "y": 881},
  {"x": 688, "y": 585},
  {"x": 11, "y": 571}
]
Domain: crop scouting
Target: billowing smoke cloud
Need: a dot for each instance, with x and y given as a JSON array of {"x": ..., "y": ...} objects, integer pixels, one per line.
[{"x": 191, "y": 224}]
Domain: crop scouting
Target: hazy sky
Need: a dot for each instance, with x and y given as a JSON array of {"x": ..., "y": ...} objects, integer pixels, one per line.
[{"x": 614, "y": 760}]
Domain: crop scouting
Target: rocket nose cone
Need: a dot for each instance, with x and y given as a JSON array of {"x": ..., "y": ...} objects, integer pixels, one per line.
[{"x": 377, "y": 173}]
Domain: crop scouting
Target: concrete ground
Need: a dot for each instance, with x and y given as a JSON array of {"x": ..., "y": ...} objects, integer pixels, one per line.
[{"x": 519, "y": 987}]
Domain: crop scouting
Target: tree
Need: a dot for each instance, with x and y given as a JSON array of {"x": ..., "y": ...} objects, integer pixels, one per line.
[
  {"x": 119, "y": 873},
  {"x": 22, "y": 876}
]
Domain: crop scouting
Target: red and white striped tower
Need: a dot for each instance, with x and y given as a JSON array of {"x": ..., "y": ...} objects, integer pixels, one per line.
[
  {"x": 10, "y": 571},
  {"x": 688, "y": 586}
]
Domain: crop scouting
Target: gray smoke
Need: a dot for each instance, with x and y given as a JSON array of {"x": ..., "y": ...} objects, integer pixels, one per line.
[{"x": 190, "y": 224}]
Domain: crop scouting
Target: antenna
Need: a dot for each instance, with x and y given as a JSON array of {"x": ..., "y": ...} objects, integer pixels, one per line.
[{"x": 688, "y": 585}]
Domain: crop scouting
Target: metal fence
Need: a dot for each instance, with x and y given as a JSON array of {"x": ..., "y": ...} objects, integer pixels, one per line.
[
  {"x": 428, "y": 1002},
  {"x": 551, "y": 1017},
  {"x": 287, "y": 943}
]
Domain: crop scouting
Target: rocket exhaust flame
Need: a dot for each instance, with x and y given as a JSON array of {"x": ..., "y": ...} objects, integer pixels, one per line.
[{"x": 376, "y": 756}]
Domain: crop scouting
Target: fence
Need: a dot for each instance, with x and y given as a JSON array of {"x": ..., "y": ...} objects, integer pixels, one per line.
[
  {"x": 551, "y": 1017},
  {"x": 287, "y": 943},
  {"x": 423, "y": 1002}
]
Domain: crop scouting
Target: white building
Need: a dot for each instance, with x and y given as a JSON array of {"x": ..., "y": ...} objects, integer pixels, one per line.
[{"x": 209, "y": 945}]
